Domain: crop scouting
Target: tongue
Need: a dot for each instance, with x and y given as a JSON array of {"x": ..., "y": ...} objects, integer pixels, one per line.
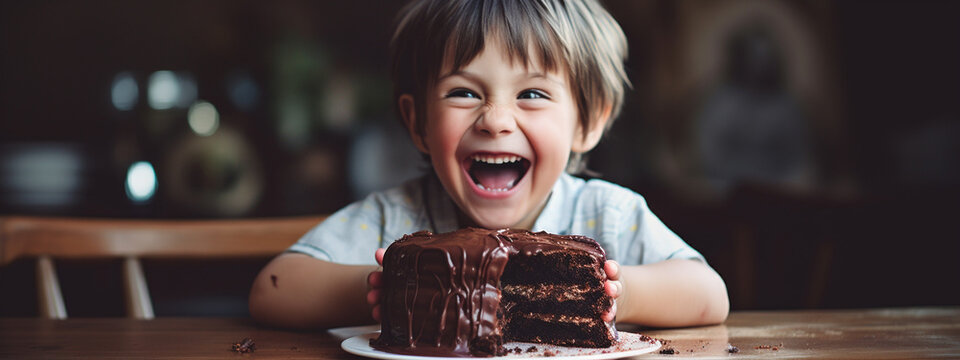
[{"x": 501, "y": 178}]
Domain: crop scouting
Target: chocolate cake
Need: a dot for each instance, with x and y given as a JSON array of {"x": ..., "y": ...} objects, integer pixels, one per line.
[{"x": 465, "y": 293}]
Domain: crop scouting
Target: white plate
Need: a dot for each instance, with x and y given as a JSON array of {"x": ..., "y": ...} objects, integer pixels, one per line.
[{"x": 630, "y": 345}]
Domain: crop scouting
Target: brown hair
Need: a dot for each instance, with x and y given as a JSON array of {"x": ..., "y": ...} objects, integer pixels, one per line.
[{"x": 579, "y": 35}]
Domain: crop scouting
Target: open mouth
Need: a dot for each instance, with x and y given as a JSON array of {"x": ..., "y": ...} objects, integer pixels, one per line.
[{"x": 497, "y": 172}]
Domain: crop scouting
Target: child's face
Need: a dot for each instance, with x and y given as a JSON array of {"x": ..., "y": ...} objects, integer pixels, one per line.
[{"x": 499, "y": 135}]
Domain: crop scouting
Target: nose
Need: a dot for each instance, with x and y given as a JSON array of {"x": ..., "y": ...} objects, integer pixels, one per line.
[{"x": 496, "y": 121}]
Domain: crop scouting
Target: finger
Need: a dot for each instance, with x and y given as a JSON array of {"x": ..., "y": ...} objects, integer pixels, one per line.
[
  {"x": 610, "y": 315},
  {"x": 375, "y": 279},
  {"x": 376, "y": 312},
  {"x": 612, "y": 268},
  {"x": 379, "y": 255},
  {"x": 373, "y": 297},
  {"x": 613, "y": 288}
]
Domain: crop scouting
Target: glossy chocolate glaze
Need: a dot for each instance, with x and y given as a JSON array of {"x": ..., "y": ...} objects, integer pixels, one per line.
[{"x": 441, "y": 292}]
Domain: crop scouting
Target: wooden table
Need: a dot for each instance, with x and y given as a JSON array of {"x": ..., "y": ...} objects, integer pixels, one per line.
[{"x": 906, "y": 333}]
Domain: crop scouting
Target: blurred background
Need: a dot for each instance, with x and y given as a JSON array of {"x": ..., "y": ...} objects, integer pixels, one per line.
[{"x": 809, "y": 149}]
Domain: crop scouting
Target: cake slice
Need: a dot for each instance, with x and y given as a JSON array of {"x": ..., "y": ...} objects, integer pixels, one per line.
[{"x": 469, "y": 291}]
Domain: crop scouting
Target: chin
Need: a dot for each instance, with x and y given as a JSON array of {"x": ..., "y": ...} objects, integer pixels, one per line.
[{"x": 495, "y": 221}]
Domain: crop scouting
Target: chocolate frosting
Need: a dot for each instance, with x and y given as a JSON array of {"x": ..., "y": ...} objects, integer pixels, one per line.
[{"x": 441, "y": 292}]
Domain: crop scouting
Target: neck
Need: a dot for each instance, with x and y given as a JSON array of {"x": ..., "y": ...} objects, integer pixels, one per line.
[{"x": 524, "y": 224}]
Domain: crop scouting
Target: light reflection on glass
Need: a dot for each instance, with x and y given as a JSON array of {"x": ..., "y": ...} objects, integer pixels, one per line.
[
  {"x": 163, "y": 90},
  {"x": 141, "y": 182},
  {"x": 168, "y": 89},
  {"x": 203, "y": 118},
  {"x": 124, "y": 92},
  {"x": 188, "y": 90}
]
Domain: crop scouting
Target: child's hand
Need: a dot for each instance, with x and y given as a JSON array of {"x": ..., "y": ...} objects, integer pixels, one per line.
[
  {"x": 613, "y": 287},
  {"x": 374, "y": 282}
]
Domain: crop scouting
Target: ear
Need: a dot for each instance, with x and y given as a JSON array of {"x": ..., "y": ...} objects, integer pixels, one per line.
[
  {"x": 409, "y": 114},
  {"x": 585, "y": 142}
]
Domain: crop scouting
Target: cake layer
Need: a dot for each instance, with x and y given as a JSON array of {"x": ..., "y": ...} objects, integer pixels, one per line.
[
  {"x": 554, "y": 267},
  {"x": 565, "y": 330},
  {"x": 554, "y": 292},
  {"x": 524, "y": 298}
]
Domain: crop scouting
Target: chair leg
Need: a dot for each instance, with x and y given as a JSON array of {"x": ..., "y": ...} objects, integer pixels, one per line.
[
  {"x": 744, "y": 293},
  {"x": 826, "y": 251},
  {"x": 49, "y": 297},
  {"x": 137, "y": 295}
]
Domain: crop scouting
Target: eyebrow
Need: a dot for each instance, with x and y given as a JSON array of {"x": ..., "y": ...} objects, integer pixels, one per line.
[
  {"x": 475, "y": 77},
  {"x": 456, "y": 73}
]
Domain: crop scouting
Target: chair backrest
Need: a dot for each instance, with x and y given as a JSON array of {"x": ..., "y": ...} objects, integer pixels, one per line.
[{"x": 49, "y": 238}]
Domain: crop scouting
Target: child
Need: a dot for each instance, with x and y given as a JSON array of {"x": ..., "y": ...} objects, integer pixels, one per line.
[{"x": 501, "y": 96}]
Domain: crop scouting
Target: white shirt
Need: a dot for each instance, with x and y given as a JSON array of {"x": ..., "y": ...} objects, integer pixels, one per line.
[{"x": 614, "y": 216}]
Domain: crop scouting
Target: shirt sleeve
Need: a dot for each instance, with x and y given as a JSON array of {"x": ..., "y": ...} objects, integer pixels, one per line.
[
  {"x": 632, "y": 233},
  {"x": 651, "y": 241},
  {"x": 349, "y": 236}
]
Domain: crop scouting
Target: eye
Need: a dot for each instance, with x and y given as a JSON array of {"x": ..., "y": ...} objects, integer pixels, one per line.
[
  {"x": 462, "y": 93},
  {"x": 532, "y": 94}
]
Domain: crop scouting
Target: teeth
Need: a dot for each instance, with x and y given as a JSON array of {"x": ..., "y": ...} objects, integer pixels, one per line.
[
  {"x": 509, "y": 186},
  {"x": 496, "y": 159}
]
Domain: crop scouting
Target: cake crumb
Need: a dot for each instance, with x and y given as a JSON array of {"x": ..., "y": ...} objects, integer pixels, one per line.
[
  {"x": 532, "y": 349},
  {"x": 245, "y": 346},
  {"x": 549, "y": 353},
  {"x": 768, "y": 347},
  {"x": 668, "y": 351}
]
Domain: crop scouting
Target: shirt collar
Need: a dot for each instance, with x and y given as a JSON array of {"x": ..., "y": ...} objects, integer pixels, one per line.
[
  {"x": 556, "y": 217},
  {"x": 441, "y": 210}
]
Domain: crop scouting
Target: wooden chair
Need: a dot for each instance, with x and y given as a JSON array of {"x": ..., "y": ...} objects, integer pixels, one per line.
[{"x": 49, "y": 238}]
